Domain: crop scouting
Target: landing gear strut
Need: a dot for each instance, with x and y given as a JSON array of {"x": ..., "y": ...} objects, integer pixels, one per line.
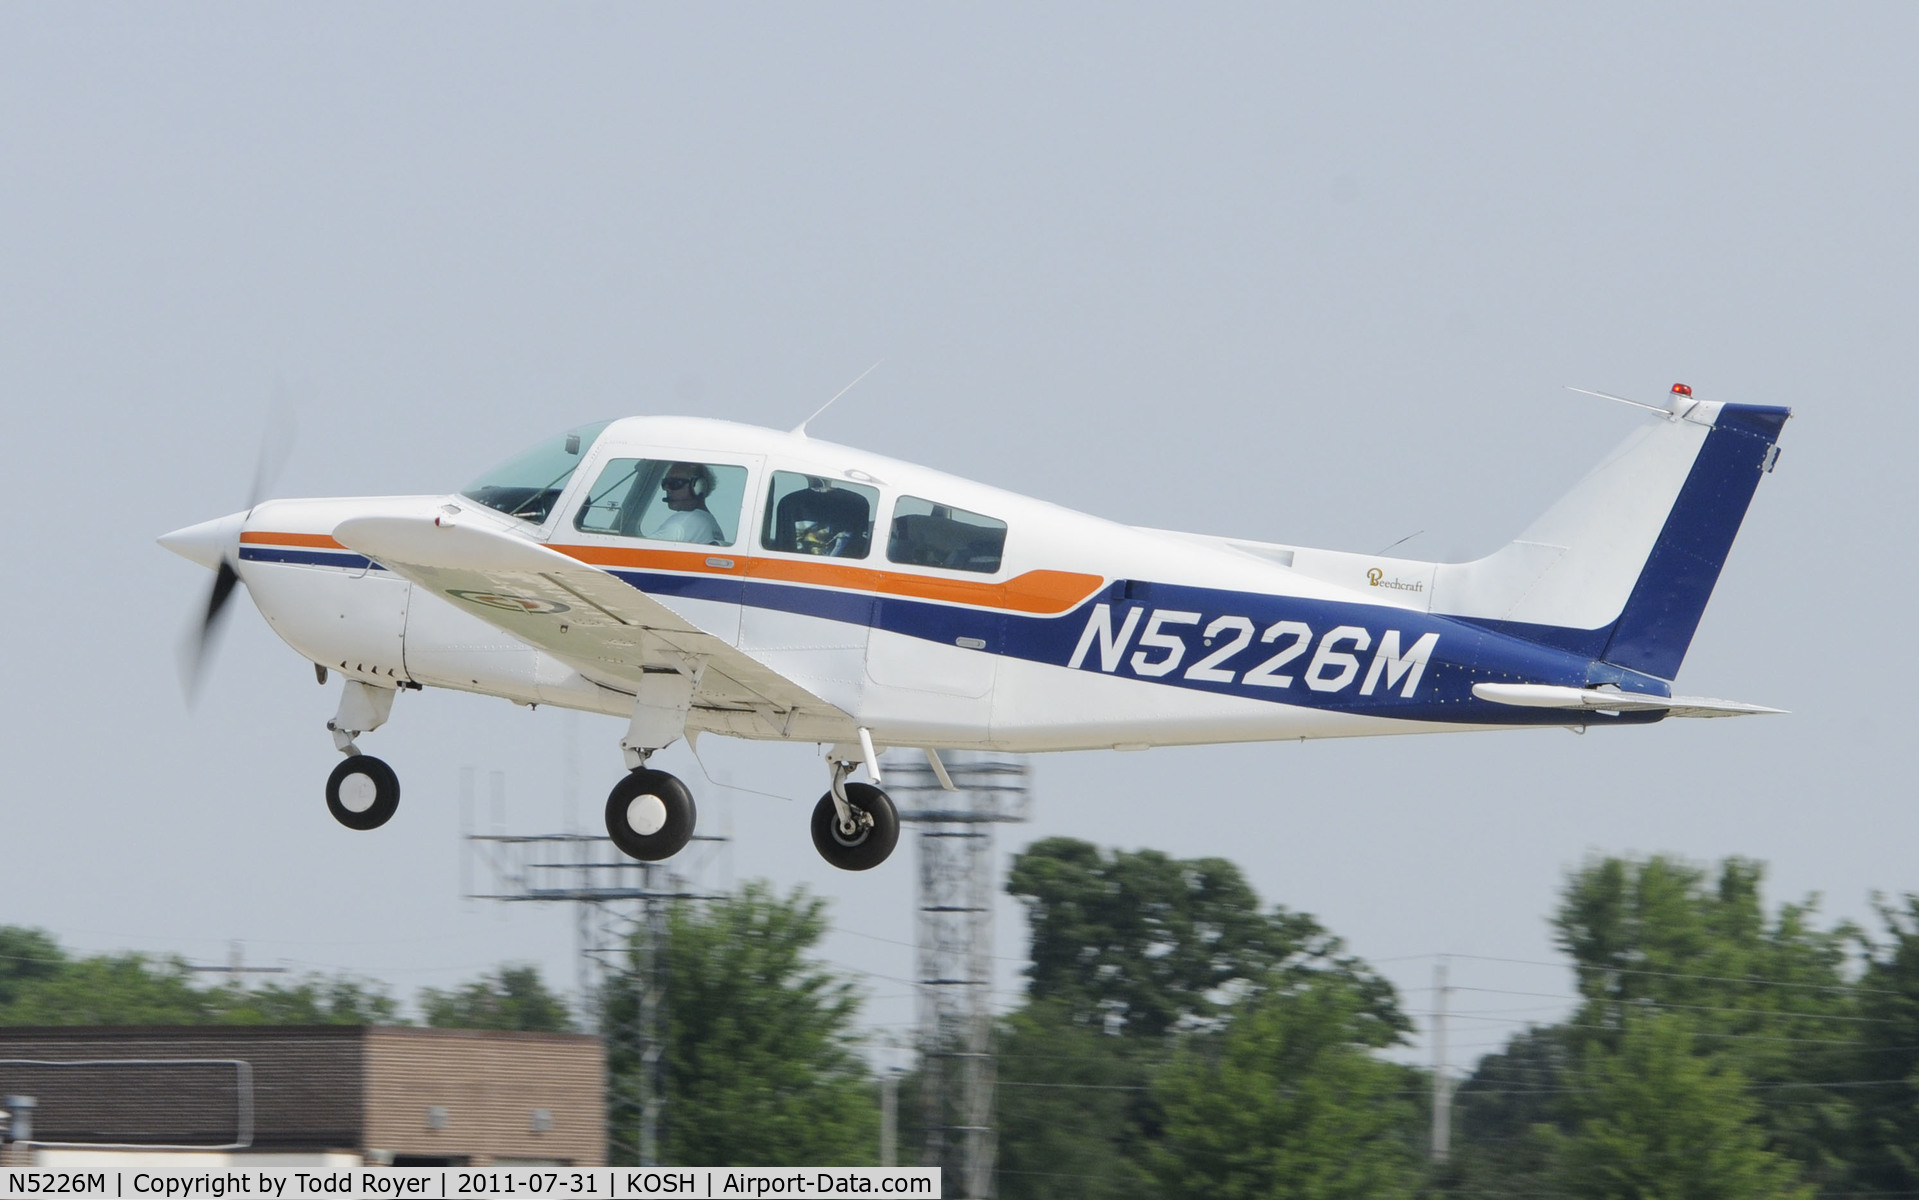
[{"x": 855, "y": 825}]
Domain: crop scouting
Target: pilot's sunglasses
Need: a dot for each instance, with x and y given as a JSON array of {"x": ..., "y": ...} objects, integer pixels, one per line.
[{"x": 674, "y": 485}]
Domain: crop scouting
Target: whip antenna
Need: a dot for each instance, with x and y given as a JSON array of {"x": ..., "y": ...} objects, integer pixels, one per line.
[{"x": 801, "y": 427}]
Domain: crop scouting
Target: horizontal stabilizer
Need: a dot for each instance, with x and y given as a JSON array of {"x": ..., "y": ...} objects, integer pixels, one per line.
[{"x": 1544, "y": 695}]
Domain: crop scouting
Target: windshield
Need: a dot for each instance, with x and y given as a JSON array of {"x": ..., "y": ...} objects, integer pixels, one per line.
[{"x": 528, "y": 485}]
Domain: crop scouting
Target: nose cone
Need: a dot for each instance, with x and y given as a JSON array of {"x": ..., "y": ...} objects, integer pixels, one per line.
[{"x": 210, "y": 542}]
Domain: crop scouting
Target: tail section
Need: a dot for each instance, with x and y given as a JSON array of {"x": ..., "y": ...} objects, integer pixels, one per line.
[{"x": 1622, "y": 566}]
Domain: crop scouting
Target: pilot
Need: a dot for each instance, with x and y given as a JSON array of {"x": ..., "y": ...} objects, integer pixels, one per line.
[{"x": 687, "y": 485}]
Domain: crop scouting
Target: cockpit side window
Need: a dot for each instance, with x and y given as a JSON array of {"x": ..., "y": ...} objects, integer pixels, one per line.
[
  {"x": 528, "y": 485},
  {"x": 810, "y": 514},
  {"x": 926, "y": 534},
  {"x": 665, "y": 500}
]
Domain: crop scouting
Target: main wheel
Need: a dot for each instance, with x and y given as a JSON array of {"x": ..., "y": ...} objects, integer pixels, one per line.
[
  {"x": 650, "y": 815},
  {"x": 362, "y": 792},
  {"x": 867, "y": 846}
]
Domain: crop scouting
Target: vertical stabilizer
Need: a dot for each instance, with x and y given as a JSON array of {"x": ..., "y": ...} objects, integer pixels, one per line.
[{"x": 1622, "y": 566}]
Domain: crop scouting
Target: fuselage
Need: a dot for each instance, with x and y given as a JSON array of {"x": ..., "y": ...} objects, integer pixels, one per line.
[{"x": 966, "y": 616}]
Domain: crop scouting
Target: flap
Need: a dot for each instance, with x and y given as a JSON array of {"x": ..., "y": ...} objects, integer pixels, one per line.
[{"x": 601, "y": 626}]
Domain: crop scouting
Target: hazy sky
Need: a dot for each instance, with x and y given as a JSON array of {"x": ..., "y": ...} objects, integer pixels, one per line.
[{"x": 1313, "y": 275}]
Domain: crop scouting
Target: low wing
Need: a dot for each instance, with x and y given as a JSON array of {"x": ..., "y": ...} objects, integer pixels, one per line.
[
  {"x": 606, "y": 629},
  {"x": 1544, "y": 695}
]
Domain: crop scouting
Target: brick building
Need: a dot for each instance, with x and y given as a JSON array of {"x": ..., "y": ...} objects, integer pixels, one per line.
[{"x": 325, "y": 1095}]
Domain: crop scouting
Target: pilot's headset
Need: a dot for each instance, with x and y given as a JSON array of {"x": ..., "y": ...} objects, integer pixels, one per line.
[{"x": 703, "y": 479}]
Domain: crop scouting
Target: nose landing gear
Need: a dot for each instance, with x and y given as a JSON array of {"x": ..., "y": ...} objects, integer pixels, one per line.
[{"x": 362, "y": 792}]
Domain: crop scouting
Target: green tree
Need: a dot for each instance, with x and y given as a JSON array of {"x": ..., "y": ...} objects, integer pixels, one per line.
[
  {"x": 119, "y": 989},
  {"x": 314, "y": 1000},
  {"x": 1134, "y": 955},
  {"x": 26, "y": 956},
  {"x": 1073, "y": 1103},
  {"x": 513, "y": 997},
  {"x": 41, "y": 984},
  {"x": 763, "y": 1068},
  {"x": 1503, "y": 1116},
  {"x": 1767, "y": 993},
  {"x": 1289, "y": 1101},
  {"x": 1653, "y": 1118},
  {"x": 1885, "y": 1155},
  {"x": 1140, "y": 943}
]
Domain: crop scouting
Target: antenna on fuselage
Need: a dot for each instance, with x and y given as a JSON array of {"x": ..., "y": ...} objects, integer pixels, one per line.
[
  {"x": 1401, "y": 542},
  {"x": 1676, "y": 403},
  {"x": 800, "y": 429}
]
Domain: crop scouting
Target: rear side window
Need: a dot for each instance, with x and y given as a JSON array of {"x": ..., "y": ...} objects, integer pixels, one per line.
[
  {"x": 809, "y": 514},
  {"x": 926, "y": 534}
]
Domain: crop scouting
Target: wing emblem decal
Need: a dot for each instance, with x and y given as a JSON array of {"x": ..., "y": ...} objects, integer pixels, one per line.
[{"x": 509, "y": 602}]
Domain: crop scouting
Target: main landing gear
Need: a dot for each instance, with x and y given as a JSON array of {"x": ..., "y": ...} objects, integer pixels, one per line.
[
  {"x": 855, "y": 825},
  {"x": 650, "y": 815}
]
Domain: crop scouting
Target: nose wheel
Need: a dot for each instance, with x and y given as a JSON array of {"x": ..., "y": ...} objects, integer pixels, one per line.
[
  {"x": 865, "y": 836},
  {"x": 650, "y": 815},
  {"x": 363, "y": 792}
]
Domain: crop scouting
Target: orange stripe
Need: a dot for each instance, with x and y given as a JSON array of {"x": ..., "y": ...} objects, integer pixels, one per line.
[
  {"x": 1044, "y": 593},
  {"x": 659, "y": 560},
  {"x": 322, "y": 540}
]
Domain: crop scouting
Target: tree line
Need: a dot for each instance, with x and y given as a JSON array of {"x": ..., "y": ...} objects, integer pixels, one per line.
[
  {"x": 1177, "y": 1035},
  {"x": 1718, "y": 1048},
  {"x": 43, "y": 983}
]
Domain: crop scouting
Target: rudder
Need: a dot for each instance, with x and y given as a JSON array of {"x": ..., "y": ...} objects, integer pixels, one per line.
[{"x": 1668, "y": 599}]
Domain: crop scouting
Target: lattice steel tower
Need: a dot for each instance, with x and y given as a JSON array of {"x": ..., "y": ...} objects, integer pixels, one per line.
[
  {"x": 957, "y": 891},
  {"x": 621, "y": 933}
]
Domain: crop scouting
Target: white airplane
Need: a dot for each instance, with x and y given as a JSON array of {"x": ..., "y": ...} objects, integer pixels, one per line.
[{"x": 698, "y": 576}]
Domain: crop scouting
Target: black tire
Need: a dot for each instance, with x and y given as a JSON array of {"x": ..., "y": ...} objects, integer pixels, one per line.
[
  {"x": 363, "y": 792},
  {"x": 650, "y": 815},
  {"x": 871, "y": 845}
]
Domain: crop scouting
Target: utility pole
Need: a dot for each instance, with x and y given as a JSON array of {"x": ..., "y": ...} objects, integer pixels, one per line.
[
  {"x": 236, "y": 965},
  {"x": 889, "y": 1118},
  {"x": 1442, "y": 1087}
]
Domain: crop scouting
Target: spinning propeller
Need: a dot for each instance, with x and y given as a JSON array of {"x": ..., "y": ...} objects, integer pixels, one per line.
[{"x": 216, "y": 544}]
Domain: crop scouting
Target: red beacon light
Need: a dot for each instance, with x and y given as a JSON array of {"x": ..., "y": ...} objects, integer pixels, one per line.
[{"x": 1680, "y": 389}]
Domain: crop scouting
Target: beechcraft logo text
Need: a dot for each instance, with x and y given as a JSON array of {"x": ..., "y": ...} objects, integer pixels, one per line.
[{"x": 1377, "y": 578}]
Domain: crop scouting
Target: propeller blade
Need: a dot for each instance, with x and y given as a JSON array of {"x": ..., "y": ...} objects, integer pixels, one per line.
[
  {"x": 198, "y": 645},
  {"x": 223, "y": 581},
  {"x": 276, "y": 445},
  {"x": 216, "y": 543}
]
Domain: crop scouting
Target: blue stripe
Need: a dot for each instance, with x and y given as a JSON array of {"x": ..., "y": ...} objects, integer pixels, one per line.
[
  {"x": 1464, "y": 654},
  {"x": 307, "y": 558}
]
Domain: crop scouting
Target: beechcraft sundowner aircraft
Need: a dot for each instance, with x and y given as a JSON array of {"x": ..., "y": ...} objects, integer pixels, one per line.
[{"x": 698, "y": 576}]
